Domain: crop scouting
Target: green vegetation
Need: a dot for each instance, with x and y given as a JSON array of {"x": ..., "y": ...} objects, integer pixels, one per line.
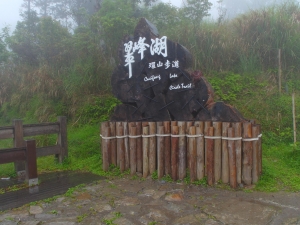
[{"x": 48, "y": 68}]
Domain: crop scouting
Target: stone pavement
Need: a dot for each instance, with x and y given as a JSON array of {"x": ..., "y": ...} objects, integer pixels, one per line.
[{"x": 125, "y": 201}]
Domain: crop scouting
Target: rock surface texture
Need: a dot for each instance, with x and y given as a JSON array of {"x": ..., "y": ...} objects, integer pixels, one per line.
[
  {"x": 125, "y": 201},
  {"x": 154, "y": 82}
]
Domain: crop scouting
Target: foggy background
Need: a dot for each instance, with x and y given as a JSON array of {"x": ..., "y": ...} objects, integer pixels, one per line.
[{"x": 10, "y": 9}]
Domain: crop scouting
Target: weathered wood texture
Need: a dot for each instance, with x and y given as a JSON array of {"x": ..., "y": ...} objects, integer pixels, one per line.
[
  {"x": 182, "y": 151},
  {"x": 133, "y": 148},
  {"x": 174, "y": 152},
  {"x": 247, "y": 154},
  {"x": 225, "y": 157},
  {"x": 210, "y": 157},
  {"x": 192, "y": 153},
  {"x": 255, "y": 162},
  {"x": 238, "y": 150},
  {"x": 105, "y": 131},
  {"x": 18, "y": 131},
  {"x": 160, "y": 152},
  {"x": 217, "y": 150},
  {"x": 200, "y": 149},
  {"x": 26, "y": 154},
  {"x": 232, "y": 159},
  {"x": 145, "y": 151},
  {"x": 200, "y": 137}
]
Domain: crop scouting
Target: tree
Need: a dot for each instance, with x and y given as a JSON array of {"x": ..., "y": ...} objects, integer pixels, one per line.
[
  {"x": 4, "y": 54},
  {"x": 196, "y": 10}
]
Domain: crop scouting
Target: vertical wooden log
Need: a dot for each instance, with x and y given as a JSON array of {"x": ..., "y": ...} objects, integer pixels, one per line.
[
  {"x": 139, "y": 148},
  {"x": 232, "y": 159},
  {"x": 132, "y": 147},
  {"x": 31, "y": 164},
  {"x": 188, "y": 125},
  {"x": 145, "y": 152},
  {"x": 182, "y": 151},
  {"x": 210, "y": 157},
  {"x": 200, "y": 149},
  {"x": 19, "y": 142},
  {"x": 173, "y": 123},
  {"x": 113, "y": 144},
  {"x": 217, "y": 150},
  {"x": 225, "y": 165},
  {"x": 259, "y": 150},
  {"x": 247, "y": 154},
  {"x": 193, "y": 154},
  {"x": 174, "y": 152},
  {"x": 105, "y": 131},
  {"x": 118, "y": 125},
  {"x": 121, "y": 148},
  {"x": 255, "y": 169},
  {"x": 238, "y": 150},
  {"x": 160, "y": 152},
  {"x": 167, "y": 150},
  {"x": 126, "y": 144},
  {"x": 62, "y": 138},
  {"x": 152, "y": 147},
  {"x": 207, "y": 125}
]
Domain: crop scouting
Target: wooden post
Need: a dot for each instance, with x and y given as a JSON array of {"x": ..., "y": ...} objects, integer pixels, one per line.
[
  {"x": 139, "y": 148},
  {"x": 113, "y": 144},
  {"x": 259, "y": 150},
  {"x": 132, "y": 147},
  {"x": 62, "y": 138},
  {"x": 188, "y": 125},
  {"x": 193, "y": 154},
  {"x": 160, "y": 152},
  {"x": 126, "y": 144},
  {"x": 210, "y": 156},
  {"x": 182, "y": 151},
  {"x": 207, "y": 125},
  {"x": 247, "y": 154},
  {"x": 19, "y": 142},
  {"x": 174, "y": 152},
  {"x": 152, "y": 147},
  {"x": 105, "y": 132},
  {"x": 167, "y": 150},
  {"x": 121, "y": 147},
  {"x": 145, "y": 152},
  {"x": 225, "y": 165},
  {"x": 217, "y": 150},
  {"x": 255, "y": 168},
  {"x": 237, "y": 127},
  {"x": 232, "y": 159},
  {"x": 200, "y": 149},
  {"x": 294, "y": 118},
  {"x": 279, "y": 70},
  {"x": 31, "y": 164},
  {"x": 118, "y": 125}
]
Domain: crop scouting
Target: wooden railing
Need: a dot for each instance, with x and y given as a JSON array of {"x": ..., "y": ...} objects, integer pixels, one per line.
[
  {"x": 18, "y": 131},
  {"x": 25, "y": 154}
]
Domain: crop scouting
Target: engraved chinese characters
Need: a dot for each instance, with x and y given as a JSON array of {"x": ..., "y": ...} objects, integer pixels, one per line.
[{"x": 152, "y": 80}]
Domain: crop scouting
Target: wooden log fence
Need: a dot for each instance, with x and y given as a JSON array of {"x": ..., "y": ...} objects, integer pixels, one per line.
[
  {"x": 221, "y": 151},
  {"x": 26, "y": 154},
  {"x": 18, "y": 132}
]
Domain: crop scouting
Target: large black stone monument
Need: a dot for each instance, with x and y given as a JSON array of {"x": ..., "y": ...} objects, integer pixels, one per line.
[{"x": 154, "y": 83}]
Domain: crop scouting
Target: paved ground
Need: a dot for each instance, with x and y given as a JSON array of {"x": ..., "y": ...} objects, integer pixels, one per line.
[{"x": 126, "y": 201}]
